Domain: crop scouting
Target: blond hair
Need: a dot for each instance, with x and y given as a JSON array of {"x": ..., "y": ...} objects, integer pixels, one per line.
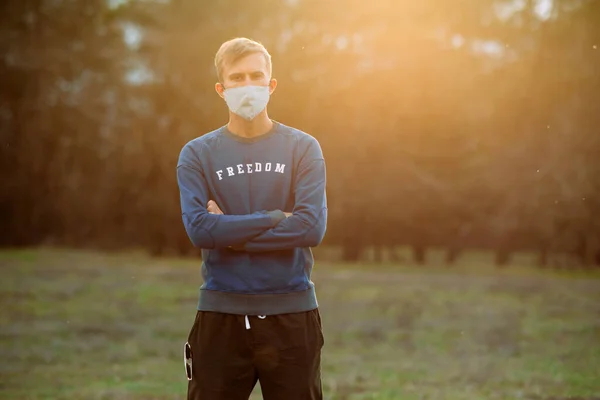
[{"x": 235, "y": 49}]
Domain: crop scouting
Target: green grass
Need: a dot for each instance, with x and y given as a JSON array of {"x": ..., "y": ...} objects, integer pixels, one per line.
[{"x": 82, "y": 325}]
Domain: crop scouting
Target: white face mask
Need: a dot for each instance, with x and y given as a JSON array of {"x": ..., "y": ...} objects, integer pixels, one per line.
[{"x": 247, "y": 101}]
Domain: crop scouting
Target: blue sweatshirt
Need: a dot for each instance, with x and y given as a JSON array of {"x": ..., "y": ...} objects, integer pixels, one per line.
[{"x": 255, "y": 261}]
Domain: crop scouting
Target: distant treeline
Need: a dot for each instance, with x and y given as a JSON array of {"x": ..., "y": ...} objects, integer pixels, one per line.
[{"x": 440, "y": 127}]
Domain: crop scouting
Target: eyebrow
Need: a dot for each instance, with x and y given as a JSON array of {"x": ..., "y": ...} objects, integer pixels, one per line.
[{"x": 258, "y": 72}]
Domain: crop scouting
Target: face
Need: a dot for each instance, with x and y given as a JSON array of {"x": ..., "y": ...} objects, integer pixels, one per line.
[{"x": 250, "y": 70}]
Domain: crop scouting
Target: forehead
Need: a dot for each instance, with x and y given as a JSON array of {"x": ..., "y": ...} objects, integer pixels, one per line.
[{"x": 254, "y": 62}]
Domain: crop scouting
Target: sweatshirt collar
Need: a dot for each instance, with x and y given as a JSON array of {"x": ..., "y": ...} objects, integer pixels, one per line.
[{"x": 254, "y": 139}]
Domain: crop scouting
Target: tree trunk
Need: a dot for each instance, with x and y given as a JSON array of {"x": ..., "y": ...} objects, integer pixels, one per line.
[
  {"x": 502, "y": 257},
  {"x": 543, "y": 257},
  {"x": 419, "y": 254},
  {"x": 452, "y": 254}
]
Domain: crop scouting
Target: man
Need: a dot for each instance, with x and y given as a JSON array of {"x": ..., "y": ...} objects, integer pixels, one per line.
[{"x": 253, "y": 199}]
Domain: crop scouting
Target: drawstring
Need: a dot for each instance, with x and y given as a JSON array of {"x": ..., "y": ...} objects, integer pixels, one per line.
[{"x": 247, "y": 321}]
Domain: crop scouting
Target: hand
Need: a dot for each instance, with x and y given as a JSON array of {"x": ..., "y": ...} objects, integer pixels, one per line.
[
  {"x": 287, "y": 215},
  {"x": 213, "y": 208}
]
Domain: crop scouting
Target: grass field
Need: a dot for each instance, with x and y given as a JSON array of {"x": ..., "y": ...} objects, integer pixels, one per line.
[{"x": 82, "y": 325}]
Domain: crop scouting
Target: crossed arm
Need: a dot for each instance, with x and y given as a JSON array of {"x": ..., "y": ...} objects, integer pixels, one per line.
[
  {"x": 211, "y": 231},
  {"x": 213, "y": 208},
  {"x": 305, "y": 226},
  {"x": 208, "y": 228}
]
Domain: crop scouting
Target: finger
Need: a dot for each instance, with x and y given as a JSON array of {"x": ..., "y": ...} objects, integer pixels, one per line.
[{"x": 212, "y": 207}]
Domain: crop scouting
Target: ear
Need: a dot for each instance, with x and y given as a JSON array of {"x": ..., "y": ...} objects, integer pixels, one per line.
[
  {"x": 220, "y": 89},
  {"x": 272, "y": 85}
]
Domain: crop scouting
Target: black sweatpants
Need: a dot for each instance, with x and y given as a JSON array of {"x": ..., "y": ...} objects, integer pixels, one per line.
[{"x": 283, "y": 352}]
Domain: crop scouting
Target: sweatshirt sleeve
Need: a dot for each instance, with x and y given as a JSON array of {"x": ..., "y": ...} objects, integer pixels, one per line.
[
  {"x": 307, "y": 225},
  {"x": 210, "y": 231}
]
